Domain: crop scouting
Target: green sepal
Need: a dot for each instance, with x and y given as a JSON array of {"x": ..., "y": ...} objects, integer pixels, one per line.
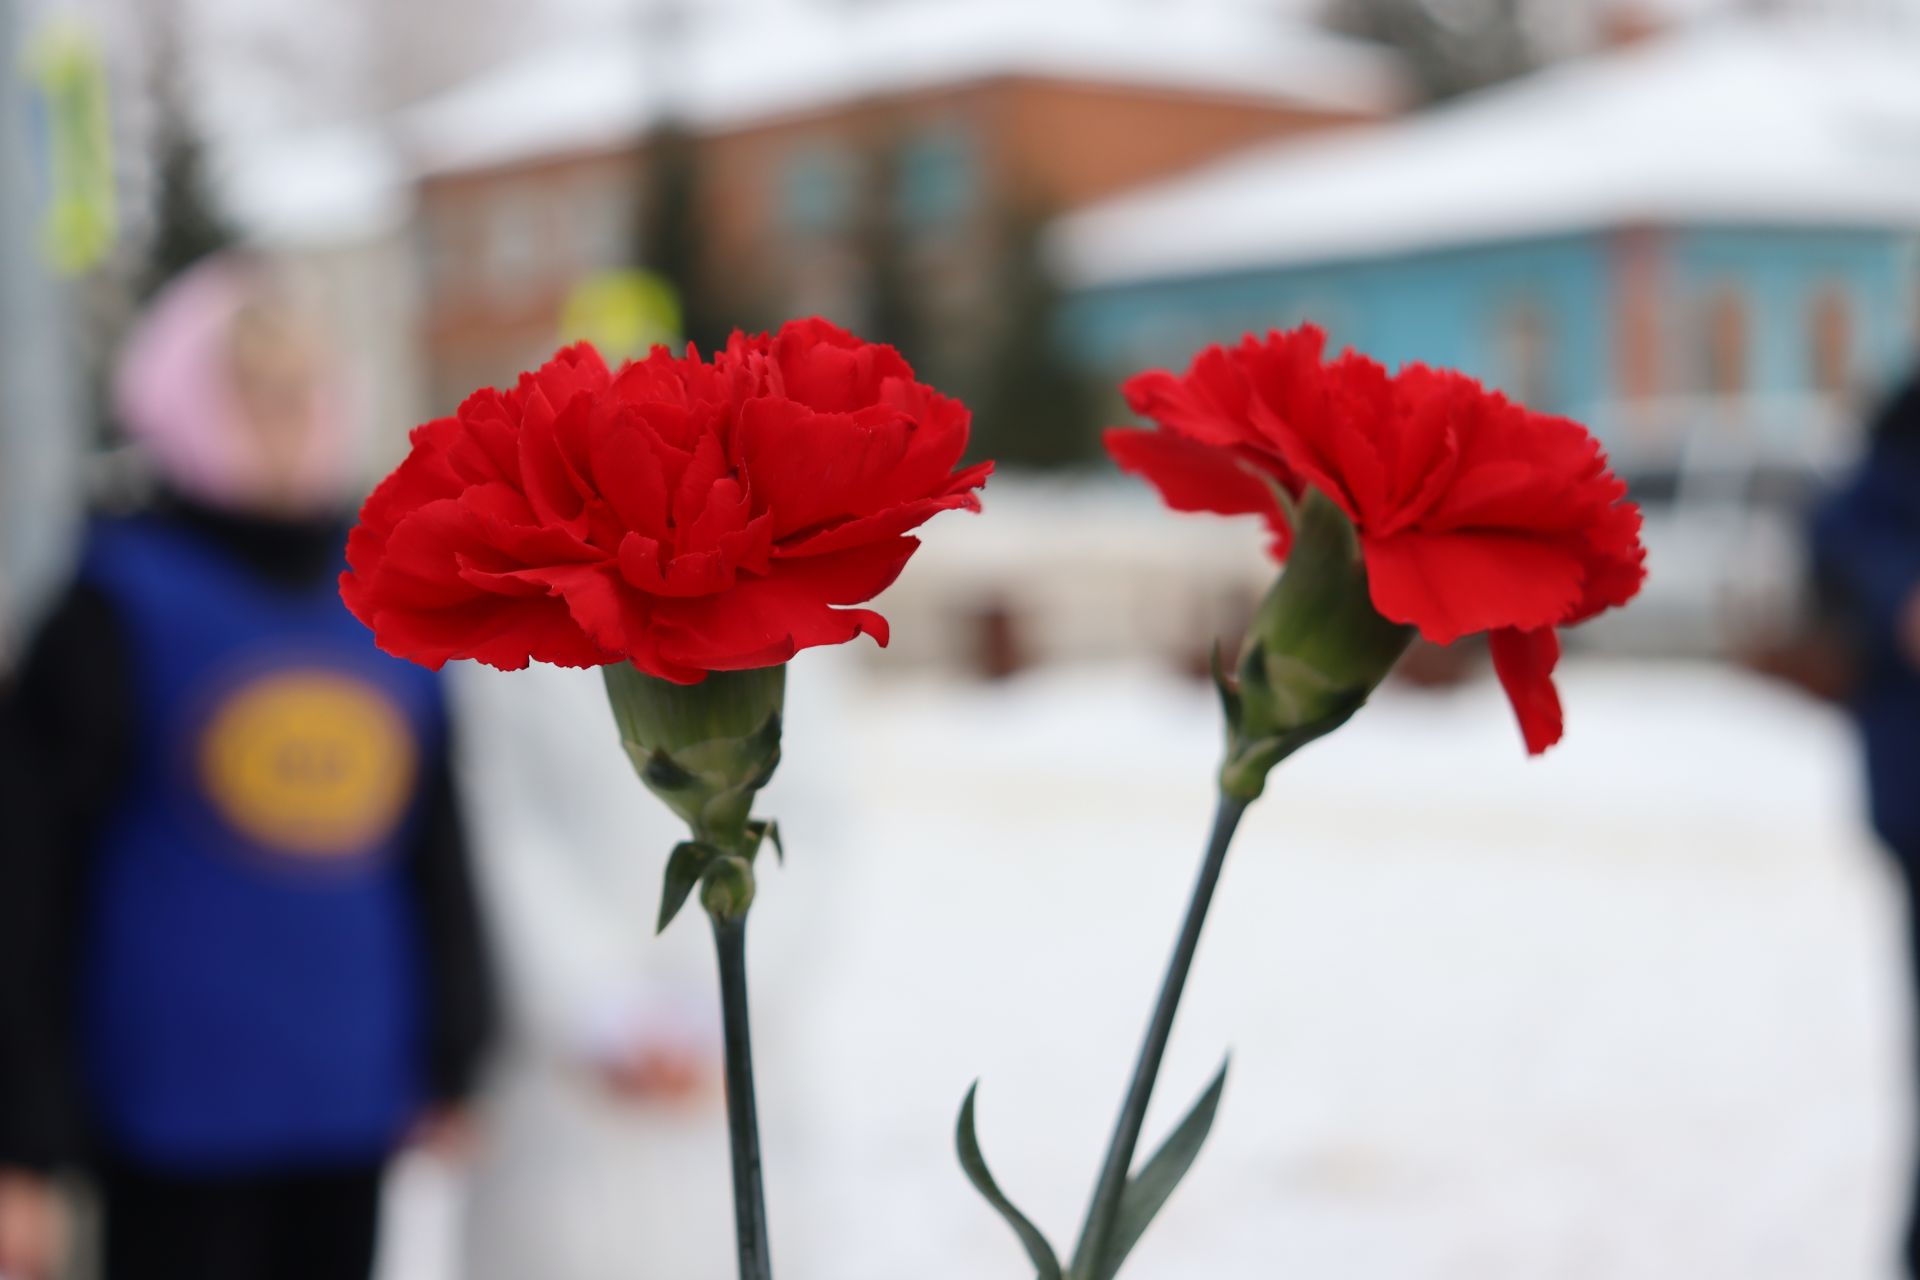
[
  {"x": 706, "y": 748},
  {"x": 1317, "y": 648},
  {"x": 1045, "y": 1264},
  {"x": 1147, "y": 1190},
  {"x": 685, "y": 865},
  {"x": 661, "y": 772},
  {"x": 1223, "y": 683},
  {"x": 1244, "y": 773},
  {"x": 727, "y": 888}
]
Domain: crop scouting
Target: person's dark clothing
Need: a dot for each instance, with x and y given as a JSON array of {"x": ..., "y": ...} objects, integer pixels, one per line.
[
  {"x": 71, "y": 750},
  {"x": 316, "y": 1225},
  {"x": 1867, "y": 546},
  {"x": 1907, "y": 860},
  {"x": 1866, "y": 542}
]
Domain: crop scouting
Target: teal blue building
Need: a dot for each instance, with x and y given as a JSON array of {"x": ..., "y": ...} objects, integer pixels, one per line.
[{"x": 1712, "y": 234}]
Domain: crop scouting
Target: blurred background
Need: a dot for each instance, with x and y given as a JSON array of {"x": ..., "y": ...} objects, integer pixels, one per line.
[{"x": 1638, "y": 1009}]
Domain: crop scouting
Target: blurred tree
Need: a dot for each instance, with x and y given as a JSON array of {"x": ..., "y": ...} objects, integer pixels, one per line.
[
  {"x": 1450, "y": 46},
  {"x": 671, "y": 240},
  {"x": 1036, "y": 407},
  {"x": 891, "y": 310},
  {"x": 186, "y": 225}
]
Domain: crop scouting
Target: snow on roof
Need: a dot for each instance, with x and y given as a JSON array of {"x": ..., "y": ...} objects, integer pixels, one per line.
[
  {"x": 784, "y": 59},
  {"x": 1742, "y": 122},
  {"x": 322, "y": 186}
]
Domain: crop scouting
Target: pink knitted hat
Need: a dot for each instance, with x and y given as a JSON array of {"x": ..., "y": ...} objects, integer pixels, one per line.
[{"x": 174, "y": 392}]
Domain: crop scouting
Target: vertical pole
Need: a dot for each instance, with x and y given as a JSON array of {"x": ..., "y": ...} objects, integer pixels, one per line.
[{"x": 39, "y": 439}]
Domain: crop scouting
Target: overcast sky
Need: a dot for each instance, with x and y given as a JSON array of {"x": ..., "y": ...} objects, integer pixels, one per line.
[{"x": 264, "y": 67}]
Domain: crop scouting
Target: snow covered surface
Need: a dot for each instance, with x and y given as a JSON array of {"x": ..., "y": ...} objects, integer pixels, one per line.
[
  {"x": 1781, "y": 122},
  {"x": 1633, "y": 1011},
  {"x": 582, "y": 93}
]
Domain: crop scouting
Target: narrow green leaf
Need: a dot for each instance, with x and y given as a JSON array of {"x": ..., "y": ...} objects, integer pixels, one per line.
[
  {"x": 1148, "y": 1189},
  {"x": 766, "y": 829},
  {"x": 685, "y": 865},
  {"x": 1038, "y": 1250}
]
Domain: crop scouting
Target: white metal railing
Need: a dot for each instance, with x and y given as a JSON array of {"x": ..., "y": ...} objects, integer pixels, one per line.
[{"x": 1706, "y": 436}]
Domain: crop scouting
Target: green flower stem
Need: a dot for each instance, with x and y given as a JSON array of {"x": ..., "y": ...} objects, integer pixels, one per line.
[
  {"x": 743, "y": 1121},
  {"x": 1096, "y": 1236}
]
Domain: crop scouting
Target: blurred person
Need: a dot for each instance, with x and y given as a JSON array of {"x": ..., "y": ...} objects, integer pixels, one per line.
[
  {"x": 604, "y": 1150},
  {"x": 1867, "y": 554},
  {"x": 240, "y": 958}
]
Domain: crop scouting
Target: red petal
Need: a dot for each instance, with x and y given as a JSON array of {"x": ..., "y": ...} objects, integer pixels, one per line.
[
  {"x": 1310, "y": 415},
  {"x": 880, "y": 526},
  {"x": 723, "y": 510},
  {"x": 829, "y": 370},
  {"x": 549, "y": 483},
  {"x": 1420, "y": 450},
  {"x": 500, "y": 631},
  {"x": 934, "y": 447},
  {"x": 1454, "y": 584},
  {"x": 617, "y": 619},
  {"x": 1524, "y": 661},
  {"x": 692, "y": 573},
  {"x": 1616, "y": 561},
  {"x": 697, "y": 482},
  {"x": 630, "y": 471},
  {"x": 807, "y": 468},
  {"x": 1192, "y": 476},
  {"x": 793, "y": 603},
  {"x": 1211, "y": 404}
]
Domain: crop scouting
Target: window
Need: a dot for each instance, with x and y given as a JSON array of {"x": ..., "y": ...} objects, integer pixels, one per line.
[
  {"x": 1724, "y": 337},
  {"x": 1916, "y": 306},
  {"x": 515, "y": 251},
  {"x": 1640, "y": 317},
  {"x": 1830, "y": 340},
  {"x": 442, "y": 241},
  {"x": 1526, "y": 354},
  {"x": 817, "y": 188},
  {"x": 603, "y": 223},
  {"x": 938, "y": 178}
]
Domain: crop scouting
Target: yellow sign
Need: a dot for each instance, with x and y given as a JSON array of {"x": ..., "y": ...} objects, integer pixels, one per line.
[
  {"x": 309, "y": 762},
  {"x": 76, "y": 147},
  {"x": 624, "y": 314}
]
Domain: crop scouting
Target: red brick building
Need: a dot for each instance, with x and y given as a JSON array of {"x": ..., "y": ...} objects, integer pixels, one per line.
[{"x": 954, "y": 120}]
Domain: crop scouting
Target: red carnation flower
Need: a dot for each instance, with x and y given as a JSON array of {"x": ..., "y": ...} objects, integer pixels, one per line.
[
  {"x": 685, "y": 515},
  {"x": 1473, "y": 513}
]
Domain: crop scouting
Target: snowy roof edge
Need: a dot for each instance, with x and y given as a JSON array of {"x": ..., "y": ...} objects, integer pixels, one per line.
[
  {"x": 1564, "y": 131},
  {"x": 442, "y": 138}
]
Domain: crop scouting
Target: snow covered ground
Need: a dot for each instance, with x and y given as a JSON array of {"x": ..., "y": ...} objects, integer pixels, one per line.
[{"x": 1630, "y": 1012}]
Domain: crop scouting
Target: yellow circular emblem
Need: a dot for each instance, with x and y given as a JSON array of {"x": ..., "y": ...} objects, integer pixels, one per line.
[{"x": 310, "y": 762}]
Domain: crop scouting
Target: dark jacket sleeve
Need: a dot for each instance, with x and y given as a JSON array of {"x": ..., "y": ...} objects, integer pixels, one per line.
[
  {"x": 462, "y": 1005},
  {"x": 1867, "y": 538},
  {"x": 65, "y": 743}
]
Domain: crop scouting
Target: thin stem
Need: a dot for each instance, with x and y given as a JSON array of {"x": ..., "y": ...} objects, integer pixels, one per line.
[
  {"x": 1095, "y": 1236},
  {"x": 743, "y": 1121}
]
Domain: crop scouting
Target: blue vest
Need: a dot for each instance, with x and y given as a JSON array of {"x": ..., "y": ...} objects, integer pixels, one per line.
[{"x": 251, "y": 985}]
